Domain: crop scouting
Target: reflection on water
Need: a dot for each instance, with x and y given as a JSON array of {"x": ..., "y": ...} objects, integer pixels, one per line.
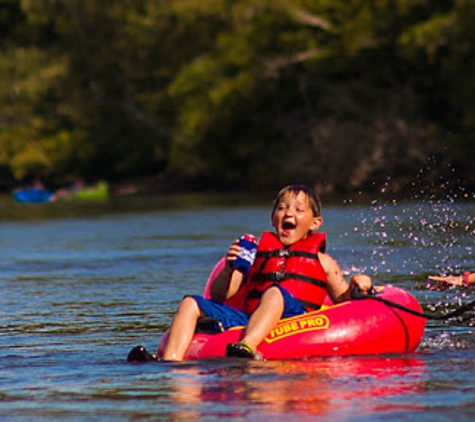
[
  {"x": 83, "y": 283},
  {"x": 336, "y": 387}
]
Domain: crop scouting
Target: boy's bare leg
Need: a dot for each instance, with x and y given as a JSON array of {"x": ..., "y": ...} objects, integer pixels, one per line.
[
  {"x": 265, "y": 317},
  {"x": 182, "y": 329}
]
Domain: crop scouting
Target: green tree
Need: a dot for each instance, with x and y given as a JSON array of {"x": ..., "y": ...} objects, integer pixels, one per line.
[{"x": 344, "y": 94}]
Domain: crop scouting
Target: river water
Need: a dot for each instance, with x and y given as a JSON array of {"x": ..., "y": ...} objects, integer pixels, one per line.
[{"x": 81, "y": 284}]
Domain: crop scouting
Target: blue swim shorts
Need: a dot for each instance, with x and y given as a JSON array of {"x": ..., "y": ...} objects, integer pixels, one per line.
[
  {"x": 231, "y": 317},
  {"x": 292, "y": 306}
]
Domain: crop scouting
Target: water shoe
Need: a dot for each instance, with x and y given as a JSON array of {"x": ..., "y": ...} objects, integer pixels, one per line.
[
  {"x": 240, "y": 350},
  {"x": 140, "y": 354}
]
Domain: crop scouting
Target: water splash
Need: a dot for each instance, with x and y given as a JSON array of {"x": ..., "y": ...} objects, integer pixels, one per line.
[
  {"x": 446, "y": 340},
  {"x": 442, "y": 228}
]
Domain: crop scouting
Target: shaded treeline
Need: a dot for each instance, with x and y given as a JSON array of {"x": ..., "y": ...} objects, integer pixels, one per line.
[{"x": 346, "y": 95}]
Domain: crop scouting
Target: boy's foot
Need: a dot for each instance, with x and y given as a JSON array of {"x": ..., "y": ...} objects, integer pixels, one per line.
[
  {"x": 240, "y": 350},
  {"x": 140, "y": 354}
]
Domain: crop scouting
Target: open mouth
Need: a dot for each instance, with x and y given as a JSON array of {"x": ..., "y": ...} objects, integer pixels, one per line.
[{"x": 287, "y": 226}]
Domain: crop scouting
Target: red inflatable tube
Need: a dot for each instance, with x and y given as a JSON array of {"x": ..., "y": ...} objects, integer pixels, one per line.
[{"x": 356, "y": 327}]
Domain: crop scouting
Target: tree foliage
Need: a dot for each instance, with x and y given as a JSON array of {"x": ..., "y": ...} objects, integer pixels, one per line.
[{"x": 341, "y": 94}]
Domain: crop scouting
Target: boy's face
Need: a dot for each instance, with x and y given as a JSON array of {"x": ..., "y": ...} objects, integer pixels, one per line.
[{"x": 293, "y": 218}]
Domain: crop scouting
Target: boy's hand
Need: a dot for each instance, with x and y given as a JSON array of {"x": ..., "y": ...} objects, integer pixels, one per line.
[
  {"x": 233, "y": 253},
  {"x": 362, "y": 281}
]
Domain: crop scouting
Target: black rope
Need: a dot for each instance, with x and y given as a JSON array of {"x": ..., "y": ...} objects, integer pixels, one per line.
[{"x": 357, "y": 295}]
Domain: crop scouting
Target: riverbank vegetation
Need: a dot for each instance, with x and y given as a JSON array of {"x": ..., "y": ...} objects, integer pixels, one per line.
[{"x": 347, "y": 95}]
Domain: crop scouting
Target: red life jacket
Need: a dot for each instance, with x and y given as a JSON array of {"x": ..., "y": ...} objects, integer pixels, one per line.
[{"x": 296, "y": 268}]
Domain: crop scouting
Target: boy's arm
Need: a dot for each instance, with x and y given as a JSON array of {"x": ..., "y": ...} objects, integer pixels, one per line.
[
  {"x": 227, "y": 282},
  {"x": 337, "y": 287}
]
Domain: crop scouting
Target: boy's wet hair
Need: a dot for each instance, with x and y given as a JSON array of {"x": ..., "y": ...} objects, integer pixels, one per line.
[{"x": 313, "y": 199}]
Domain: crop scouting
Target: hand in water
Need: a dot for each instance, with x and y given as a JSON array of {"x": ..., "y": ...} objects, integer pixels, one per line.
[{"x": 444, "y": 282}]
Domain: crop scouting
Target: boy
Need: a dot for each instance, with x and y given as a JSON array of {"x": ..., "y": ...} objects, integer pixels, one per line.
[{"x": 290, "y": 275}]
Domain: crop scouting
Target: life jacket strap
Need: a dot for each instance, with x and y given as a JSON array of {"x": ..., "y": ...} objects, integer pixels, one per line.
[
  {"x": 278, "y": 277},
  {"x": 286, "y": 253}
]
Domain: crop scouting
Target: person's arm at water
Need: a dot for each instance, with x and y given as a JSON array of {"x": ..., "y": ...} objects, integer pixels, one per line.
[{"x": 465, "y": 279}]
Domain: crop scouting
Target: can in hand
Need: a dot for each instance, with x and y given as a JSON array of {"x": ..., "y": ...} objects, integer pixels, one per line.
[{"x": 243, "y": 262}]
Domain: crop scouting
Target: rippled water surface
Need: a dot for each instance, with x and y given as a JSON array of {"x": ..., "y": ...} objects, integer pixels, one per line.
[{"x": 83, "y": 283}]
